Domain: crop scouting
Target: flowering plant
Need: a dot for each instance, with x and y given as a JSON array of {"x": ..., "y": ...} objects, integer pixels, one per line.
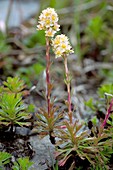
[
  {"x": 48, "y": 21},
  {"x": 72, "y": 140}
]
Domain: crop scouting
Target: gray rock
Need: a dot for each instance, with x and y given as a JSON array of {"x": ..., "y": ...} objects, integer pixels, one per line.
[
  {"x": 44, "y": 152},
  {"x": 21, "y": 10}
]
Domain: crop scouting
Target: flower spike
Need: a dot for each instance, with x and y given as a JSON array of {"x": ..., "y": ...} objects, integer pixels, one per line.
[
  {"x": 61, "y": 46},
  {"x": 48, "y": 21}
]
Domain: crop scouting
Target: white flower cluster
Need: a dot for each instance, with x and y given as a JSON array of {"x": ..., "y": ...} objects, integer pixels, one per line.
[
  {"x": 48, "y": 21},
  {"x": 61, "y": 45}
]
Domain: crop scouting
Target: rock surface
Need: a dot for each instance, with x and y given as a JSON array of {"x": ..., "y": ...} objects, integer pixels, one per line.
[
  {"x": 44, "y": 153},
  {"x": 21, "y": 10}
]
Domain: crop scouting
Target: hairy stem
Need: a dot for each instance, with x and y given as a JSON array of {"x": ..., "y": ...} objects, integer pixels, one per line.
[
  {"x": 48, "y": 90},
  {"x": 48, "y": 73},
  {"x": 68, "y": 88},
  {"x": 108, "y": 114}
]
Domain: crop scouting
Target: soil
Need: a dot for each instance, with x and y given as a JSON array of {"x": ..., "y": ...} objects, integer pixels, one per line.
[{"x": 22, "y": 145}]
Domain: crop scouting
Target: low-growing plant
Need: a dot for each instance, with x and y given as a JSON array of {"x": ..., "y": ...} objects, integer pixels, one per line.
[
  {"x": 105, "y": 144},
  {"x": 105, "y": 95},
  {"x": 13, "y": 111},
  {"x": 19, "y": 164},
  {"x": 96, "y": 149},
  {"x": 13, "y": 85},
  {"x": 22, "y": 164},
  {"x": 4, "y": 159}
]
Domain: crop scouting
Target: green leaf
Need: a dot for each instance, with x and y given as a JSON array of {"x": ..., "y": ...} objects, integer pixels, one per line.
[
  {"x": 90, "y": 104},
  {"x": 14, "y": 84},
  {"x": 4, "y": 158},
  {"x": 105, "y": 89},
  {"x": 35, "y": 39},
  {"x": 13, "y": 110},
  {"x": 22, "y": 164}
]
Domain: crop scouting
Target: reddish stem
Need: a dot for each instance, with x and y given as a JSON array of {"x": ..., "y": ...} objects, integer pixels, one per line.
[
  {"x": 108, "y": 113},
  {"x": 68, "y": 88},
  {"x": 48, "y": 74}
]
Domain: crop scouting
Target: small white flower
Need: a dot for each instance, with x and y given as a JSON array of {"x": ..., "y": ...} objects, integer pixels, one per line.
[{"x": 50, "y": 32}]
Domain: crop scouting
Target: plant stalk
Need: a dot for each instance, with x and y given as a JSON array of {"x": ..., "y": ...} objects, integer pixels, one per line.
[
  {"x": 48, "y": 89},
  {"x": 48, "y": 74},
  {"x": 68, "y": 88},
  {"x": 108, "y": 114}
]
